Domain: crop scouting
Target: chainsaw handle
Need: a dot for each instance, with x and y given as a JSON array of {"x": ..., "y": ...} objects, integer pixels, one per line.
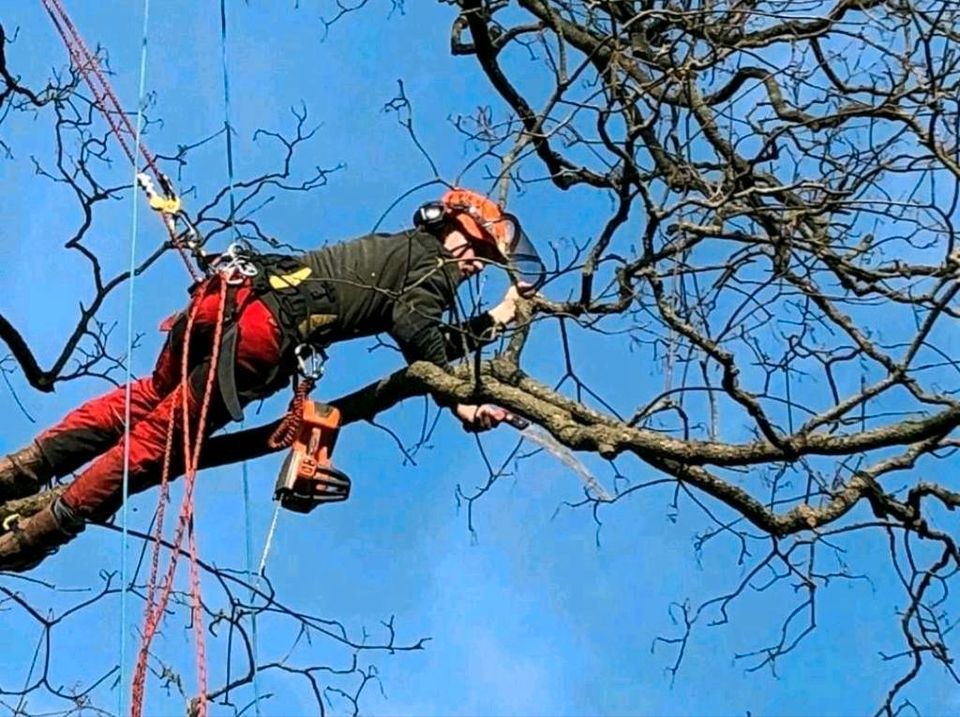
[{"x": 518, "y": 422}]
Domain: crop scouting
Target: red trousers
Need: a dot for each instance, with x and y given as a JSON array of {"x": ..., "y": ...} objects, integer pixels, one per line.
[{"x": 95, "y": 430}]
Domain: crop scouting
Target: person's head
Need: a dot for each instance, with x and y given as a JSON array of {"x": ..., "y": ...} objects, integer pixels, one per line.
[
  {"x": 479, "y": 233},
  {"x": 471, "y": 256}
]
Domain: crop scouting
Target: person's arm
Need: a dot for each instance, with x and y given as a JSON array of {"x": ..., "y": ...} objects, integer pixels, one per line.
[
  {"x": 419, "y": 332},
  {"x": 481, "y": 329},
  {"x": 418, "y": 317},
  {"x": 483, "y": 417}
]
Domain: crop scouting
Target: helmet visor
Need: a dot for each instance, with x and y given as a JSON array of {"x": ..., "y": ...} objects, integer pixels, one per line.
[{"x": 524, "y": 262}]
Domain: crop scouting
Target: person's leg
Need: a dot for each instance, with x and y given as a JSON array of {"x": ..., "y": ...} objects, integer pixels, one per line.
[
  {"x": 89, "y": 430},
  {"x": 97, "y": 492},
  {"x": 79, "y": 437},
  {"x": 100, "y": 484}
]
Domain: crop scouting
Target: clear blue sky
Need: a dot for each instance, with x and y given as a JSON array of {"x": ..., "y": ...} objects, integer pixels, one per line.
[{"x": 532, "y": 617}]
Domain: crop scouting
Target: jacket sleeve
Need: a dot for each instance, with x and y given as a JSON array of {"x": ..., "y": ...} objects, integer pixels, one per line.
[
  {"x": 469, "y": 336},
  {"x": 418, "y": 316},
  {"x": 418, "y": 325}
]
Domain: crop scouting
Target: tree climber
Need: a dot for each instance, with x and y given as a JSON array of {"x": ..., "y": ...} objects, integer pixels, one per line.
[{"x": 399, "y": 284}]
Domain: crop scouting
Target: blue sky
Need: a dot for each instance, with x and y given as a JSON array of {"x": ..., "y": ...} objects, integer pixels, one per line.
[{"x": 530, "y": 616}]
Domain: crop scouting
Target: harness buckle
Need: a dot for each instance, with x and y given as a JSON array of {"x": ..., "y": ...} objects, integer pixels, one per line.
[{"x": 311, "y": 360}]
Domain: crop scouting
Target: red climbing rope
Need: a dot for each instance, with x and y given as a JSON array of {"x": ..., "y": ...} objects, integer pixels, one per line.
[
  {"x": 191, "y": 455},
  {"x": 160, "y": 515},
  {"x": 286, "y": 433},
  {"x": 88, "y": 67},
  {"x": 105, "y": 99}
]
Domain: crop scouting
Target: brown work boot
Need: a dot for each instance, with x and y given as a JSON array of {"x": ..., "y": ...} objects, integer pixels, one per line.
[
  {"x": 29, "y": 540},
  {"x": 23, "y": 473}
]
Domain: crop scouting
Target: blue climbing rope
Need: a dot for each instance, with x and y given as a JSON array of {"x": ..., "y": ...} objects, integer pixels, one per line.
[
  {"x": 124, "y": 533},
  {"x": 228, "y": 130},
  {"x": 248, "y": 533}
]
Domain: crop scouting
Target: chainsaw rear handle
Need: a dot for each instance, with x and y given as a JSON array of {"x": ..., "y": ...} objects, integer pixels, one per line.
[{"x": 518, "y": 422}]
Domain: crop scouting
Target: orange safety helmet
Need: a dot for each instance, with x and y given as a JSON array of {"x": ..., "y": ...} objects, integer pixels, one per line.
[
  {"x": 486, "y": 224},
  {"x": 480, "y": 219}
]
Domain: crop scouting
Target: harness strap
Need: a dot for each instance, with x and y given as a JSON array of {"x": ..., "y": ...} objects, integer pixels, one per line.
[
  {"x": 293, "y": 295},
  {"x": 227, "y": 370},
  {"x": 297, "y": 303}
]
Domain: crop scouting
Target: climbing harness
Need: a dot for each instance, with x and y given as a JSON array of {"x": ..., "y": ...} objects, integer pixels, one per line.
[{"x": 309, "y": 428}]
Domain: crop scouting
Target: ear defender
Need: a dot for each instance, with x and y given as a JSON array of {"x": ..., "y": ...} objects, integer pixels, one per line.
[{"x": 429, "y": 215}]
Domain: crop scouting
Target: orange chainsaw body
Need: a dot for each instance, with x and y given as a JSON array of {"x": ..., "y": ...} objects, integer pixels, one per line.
[{"x": 307, "y": 477}]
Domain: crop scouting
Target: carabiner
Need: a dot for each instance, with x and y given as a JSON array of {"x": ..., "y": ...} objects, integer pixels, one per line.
[
  {"x": 310, "y": 361},
  {"x": 234, "y": 265},
  {"x": 189, "y": 236}
]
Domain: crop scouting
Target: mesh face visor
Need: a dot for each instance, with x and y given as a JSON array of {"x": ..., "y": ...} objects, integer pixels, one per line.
[{"x": 524, "y": 262}]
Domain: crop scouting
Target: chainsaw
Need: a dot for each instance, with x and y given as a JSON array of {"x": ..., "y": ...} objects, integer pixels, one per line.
[{"x": 307, "y": 477}]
